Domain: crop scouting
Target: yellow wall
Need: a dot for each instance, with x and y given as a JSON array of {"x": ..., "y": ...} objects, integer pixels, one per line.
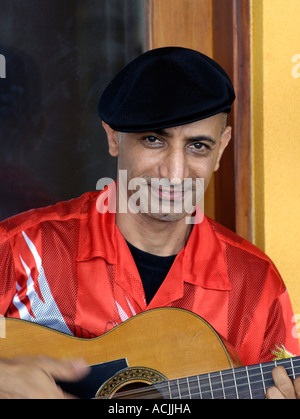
[{"x": 276, "y": 136}]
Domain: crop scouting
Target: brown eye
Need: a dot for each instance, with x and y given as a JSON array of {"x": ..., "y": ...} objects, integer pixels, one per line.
[
  {"x": 200, "y": 147},
  {"x": 152, "y": 141}
]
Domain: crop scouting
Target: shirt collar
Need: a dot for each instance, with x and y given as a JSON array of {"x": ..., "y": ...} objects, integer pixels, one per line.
[
  {"x": 101, "y": 228},
  {"x": 204, "y": 259}
]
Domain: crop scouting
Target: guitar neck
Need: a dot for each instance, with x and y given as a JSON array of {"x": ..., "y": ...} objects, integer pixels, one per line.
[{"x": 249, "y": 382}]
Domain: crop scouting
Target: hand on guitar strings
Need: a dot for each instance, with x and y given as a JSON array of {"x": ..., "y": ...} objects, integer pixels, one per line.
[
  {"x": 35, "y": 377},
  {"x": 284, "y": 387}
]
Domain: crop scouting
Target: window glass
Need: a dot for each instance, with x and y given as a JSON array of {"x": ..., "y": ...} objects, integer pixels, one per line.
[{"x": 58, "y": 57}]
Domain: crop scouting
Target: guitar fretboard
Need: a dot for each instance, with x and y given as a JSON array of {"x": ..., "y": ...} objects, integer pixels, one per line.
[{"x": 249, "y": 382}]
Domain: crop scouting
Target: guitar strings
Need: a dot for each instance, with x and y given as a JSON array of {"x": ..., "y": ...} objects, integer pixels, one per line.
[
  {"x": 206, "y": 390},
  {"x": 229, "y": 392},
  {"x": 209, "y": 388}
]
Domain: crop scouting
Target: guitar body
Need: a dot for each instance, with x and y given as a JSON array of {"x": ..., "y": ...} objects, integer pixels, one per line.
[{"x": 157, "y": 345}]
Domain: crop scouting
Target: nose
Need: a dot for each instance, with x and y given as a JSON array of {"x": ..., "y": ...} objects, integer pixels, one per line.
[{"x": 174, "y": 166}]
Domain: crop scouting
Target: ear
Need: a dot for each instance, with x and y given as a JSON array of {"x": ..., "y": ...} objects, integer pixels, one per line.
[
  {"x": 224, "y": 141},
  {"x": 113, "y": 140}
]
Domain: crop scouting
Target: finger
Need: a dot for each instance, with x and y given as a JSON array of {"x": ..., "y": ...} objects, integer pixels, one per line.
[
  {"x": 274, "y": 393},
  {"x": 64, "y": 370},
  {"x": 297, "y": 387},
  {"x": 283, "y": 383},
  {"x": 36, "y": 377}
]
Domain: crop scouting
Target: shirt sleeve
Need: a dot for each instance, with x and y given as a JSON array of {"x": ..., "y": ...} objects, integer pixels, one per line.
[
  {"x": 281, "y": 338},
  {"x": 269, "y": 324},
  {"x": 7, "y": 276}
]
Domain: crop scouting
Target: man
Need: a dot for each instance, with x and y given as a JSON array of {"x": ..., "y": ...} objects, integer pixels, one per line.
[{"x": 85, "y": 266}]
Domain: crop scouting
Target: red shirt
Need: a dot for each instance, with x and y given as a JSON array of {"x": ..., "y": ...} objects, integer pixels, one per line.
[{"x": 68, "y": 267}]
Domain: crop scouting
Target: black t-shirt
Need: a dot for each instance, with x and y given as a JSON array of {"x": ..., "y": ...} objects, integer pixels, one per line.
[{"x": 152, "y": 269}]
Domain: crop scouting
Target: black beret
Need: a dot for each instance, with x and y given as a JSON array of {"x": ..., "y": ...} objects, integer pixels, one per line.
[{"x": 165, "y": 87}]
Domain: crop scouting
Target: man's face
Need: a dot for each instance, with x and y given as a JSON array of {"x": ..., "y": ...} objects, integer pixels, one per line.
[{"x": 191, "y": 151}]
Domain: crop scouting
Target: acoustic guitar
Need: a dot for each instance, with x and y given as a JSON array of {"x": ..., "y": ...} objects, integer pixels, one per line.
[{"x": 160, "y": 354}]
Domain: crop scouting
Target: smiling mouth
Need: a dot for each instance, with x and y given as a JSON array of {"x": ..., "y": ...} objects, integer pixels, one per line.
[
  {"x": 168, "y": 194},
  {"x": 171, "y": 195}
]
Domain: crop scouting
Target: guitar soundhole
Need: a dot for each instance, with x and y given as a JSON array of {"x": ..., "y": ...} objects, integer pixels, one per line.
[
  {"x": 132, "y": 383},
  {"x": 137, "y": 391}
]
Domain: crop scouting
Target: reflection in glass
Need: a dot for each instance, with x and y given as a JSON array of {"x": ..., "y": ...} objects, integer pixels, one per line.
[{"x": 60, "y": 54}]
